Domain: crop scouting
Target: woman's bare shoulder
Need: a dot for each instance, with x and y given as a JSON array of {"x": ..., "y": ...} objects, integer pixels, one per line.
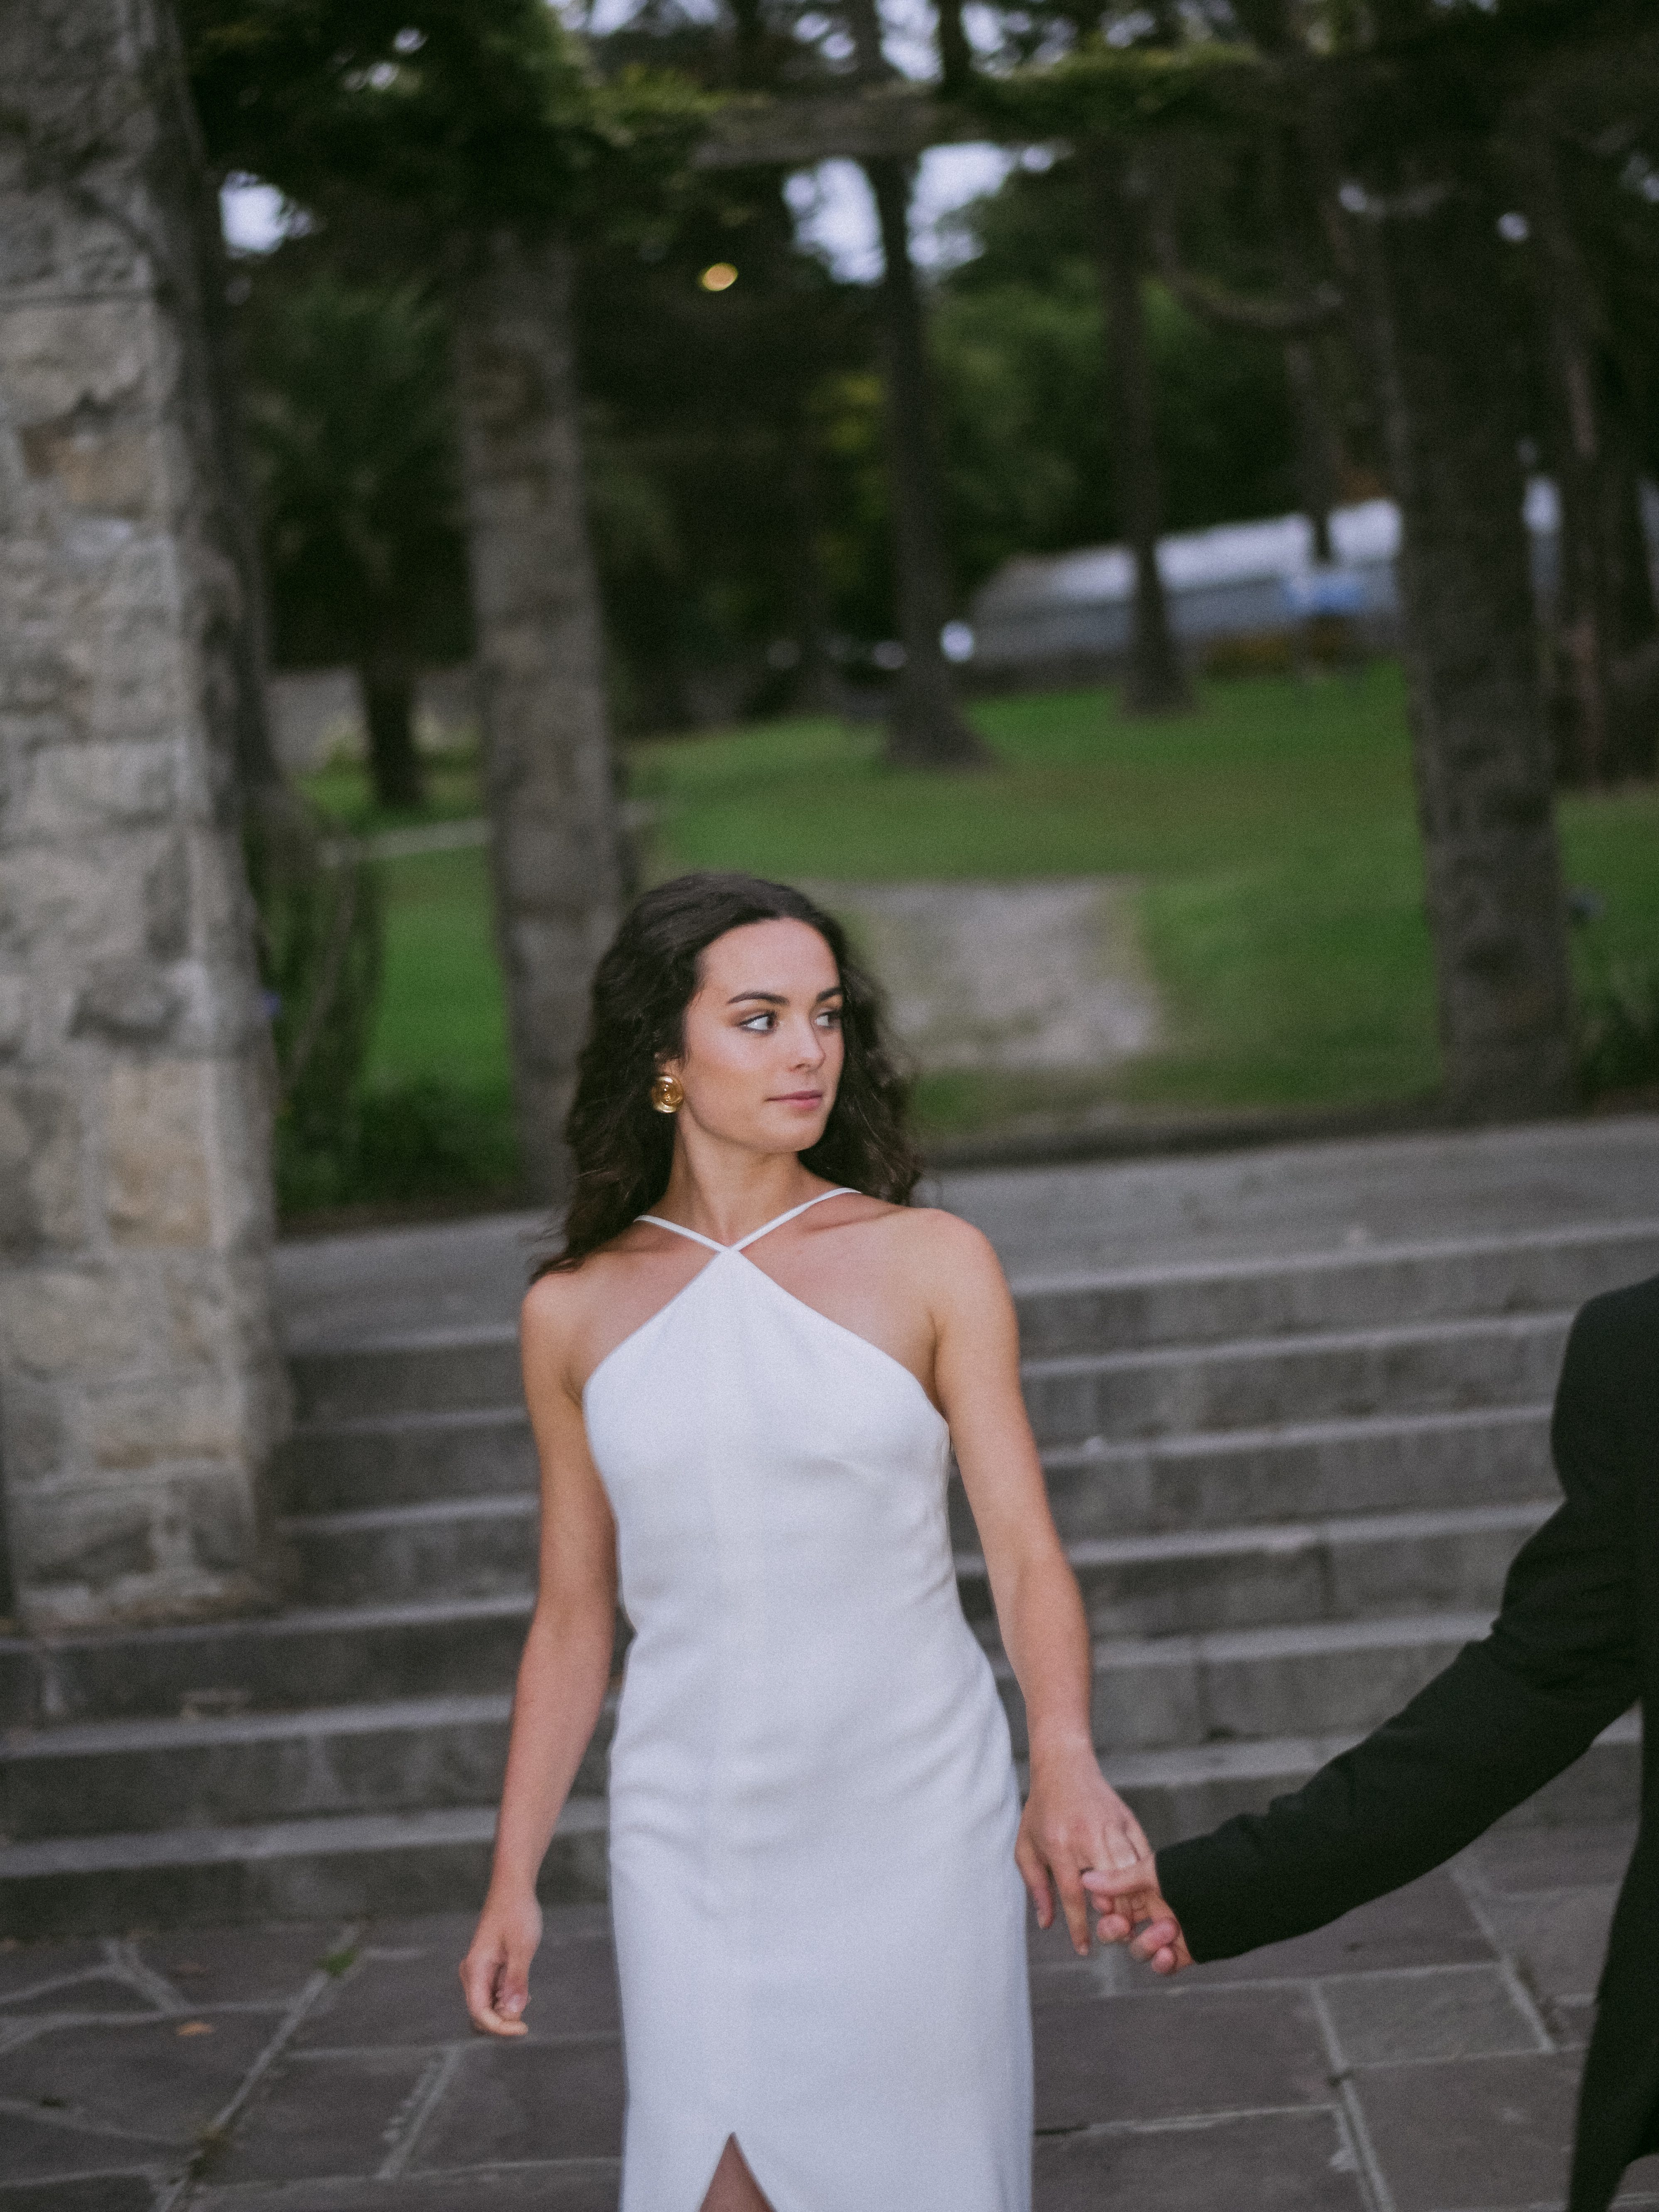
[
  {"x": 934, "y": 1240},
  {"x": 560, "y": 1303}
]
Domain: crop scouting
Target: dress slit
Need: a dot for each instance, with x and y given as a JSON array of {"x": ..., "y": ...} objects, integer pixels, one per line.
[{"x": 732, "y": 2144}]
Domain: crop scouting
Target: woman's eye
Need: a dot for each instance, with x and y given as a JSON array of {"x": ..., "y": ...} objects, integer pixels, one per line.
[
  {"x": 761, "y": 1022},
  {"x": 830, "y": 1018}
]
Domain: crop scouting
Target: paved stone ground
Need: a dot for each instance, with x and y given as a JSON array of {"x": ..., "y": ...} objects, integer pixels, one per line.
[{"x": 1420, "y": 2055}]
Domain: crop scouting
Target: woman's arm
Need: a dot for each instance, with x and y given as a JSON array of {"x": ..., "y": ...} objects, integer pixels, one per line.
[
  {"x": 1073, "y": 1819},
  {"x": 564, "y": 1671}
]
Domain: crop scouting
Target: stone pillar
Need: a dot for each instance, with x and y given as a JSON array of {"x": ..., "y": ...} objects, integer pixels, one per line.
[{"x": 141, "y": 1392}]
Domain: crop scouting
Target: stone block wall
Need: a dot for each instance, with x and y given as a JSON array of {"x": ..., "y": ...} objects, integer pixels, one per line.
[{"x": 141, "y": 1393}]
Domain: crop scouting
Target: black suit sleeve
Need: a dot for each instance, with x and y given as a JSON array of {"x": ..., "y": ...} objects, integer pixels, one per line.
[{"x": 1508, "y": 1713}]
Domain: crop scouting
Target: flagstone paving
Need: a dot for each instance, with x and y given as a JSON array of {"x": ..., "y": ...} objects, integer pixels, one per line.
[{"x": 1420, "y": 2055}]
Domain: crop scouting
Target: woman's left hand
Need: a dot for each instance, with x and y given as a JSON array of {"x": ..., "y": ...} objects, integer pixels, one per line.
[{"x": 1074, "y": 1822}]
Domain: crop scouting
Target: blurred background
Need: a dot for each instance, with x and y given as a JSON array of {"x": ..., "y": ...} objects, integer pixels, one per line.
[{"x": 1149, "y": 874}]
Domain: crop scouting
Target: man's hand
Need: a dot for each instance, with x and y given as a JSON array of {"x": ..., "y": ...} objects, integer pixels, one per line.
[{"x": 1124, "y": 1907}]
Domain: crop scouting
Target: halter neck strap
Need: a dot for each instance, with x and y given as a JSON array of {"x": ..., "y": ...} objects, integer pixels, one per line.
[{"x": 841, "y": 1190}]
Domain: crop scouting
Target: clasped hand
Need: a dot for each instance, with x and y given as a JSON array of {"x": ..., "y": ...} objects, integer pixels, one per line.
[
  {"x": 1131, "y": 1904},
  {"x": 1075, "y": 1820}
]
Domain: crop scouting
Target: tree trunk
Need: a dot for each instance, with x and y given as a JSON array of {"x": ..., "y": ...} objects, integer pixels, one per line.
[
  {"x": 1318, "y": 454},
  {"x": 1604, "y": 602},
  {"x": 926, "y": 728},
  {"x": 556, "y": 844},
  {"x": 1635, "y": 617},
  {"x": 816, "y": 689},
  {"x": 1633, "y": 717},
  {"x": 1583, "y": 614},
  {"x": 956, "y": 55},
  {"x": 1430, "y": 318},
  {"x": 386, "y": 682},
  {"x": 1156, "y": 682}
]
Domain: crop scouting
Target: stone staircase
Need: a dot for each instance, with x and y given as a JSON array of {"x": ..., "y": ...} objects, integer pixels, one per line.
[{"x": 1289, "y": 1487}]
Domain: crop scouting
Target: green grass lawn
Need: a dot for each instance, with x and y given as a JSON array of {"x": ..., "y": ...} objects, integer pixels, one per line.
[
  {"x": 442, "y": 1014},
  {"x": 1271, "y": 832}
]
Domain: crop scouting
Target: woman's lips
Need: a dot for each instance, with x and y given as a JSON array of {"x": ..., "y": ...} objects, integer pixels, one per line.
[{"x": 798, "y": 1099}]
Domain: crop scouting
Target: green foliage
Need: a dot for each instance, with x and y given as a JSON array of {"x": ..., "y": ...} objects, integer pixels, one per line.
[
  {"x": 1119, "y": 90},
  {"x": 462, "y": 115},
  {"x": 704, "y": 488},
  {"x": 1019, "y": 376},
  {"x": 1018, "y": 342},
  {"x": 735, "y": 440},
  {"x": 358, "y": 1124},
  {"x": 319, "y": 948},
  {"x": 352, "y": 438},
  {"x": 1617, "y": 944},
  {"x": 1619, "y": 1033},
  {"x": 405, "y": 1144},
  {"x": 429, "y": 1116}
]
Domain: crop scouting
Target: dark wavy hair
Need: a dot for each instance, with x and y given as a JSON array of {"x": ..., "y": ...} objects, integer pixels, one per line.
[{"x": 623, "y": 1147}]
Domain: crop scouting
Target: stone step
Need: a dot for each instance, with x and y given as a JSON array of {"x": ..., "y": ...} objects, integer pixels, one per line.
[
  {"x": 1243, "y": 1383},
  {"x": 312, "y": 1655},
  {"x": 1297, "y": 1471},
  {"x": 1183, "y": 1792},
  {"x": 405, "y": 1644},
  {"x": 97, "y": 1777},
  {"x": 441, "y": 1370},
  {"x": 408, "y": 1459},
  {"x": 437, "y": 1859},
  {"x": 1373, "y": 1286},
  {"x": 469, "y": 1547},
  {"x": 448, "y": 1370},
  {"x": 1323, "y": 1678},
  {"x": 1293, "y": 1470},
  {"x": 101, "y": 1778},
  {"x": 1161, "y": 1582},
  {"x": 1365, "y": 1566},
  {"x": 1440, "y": 1367},
  {"x": 432, "y": 1861}
]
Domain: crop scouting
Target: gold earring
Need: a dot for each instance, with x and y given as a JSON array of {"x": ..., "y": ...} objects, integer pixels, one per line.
[{"x": 666, "y": 1095}]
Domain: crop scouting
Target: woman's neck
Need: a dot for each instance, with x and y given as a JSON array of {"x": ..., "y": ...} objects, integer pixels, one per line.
[{"x": 725, "y": 1191}]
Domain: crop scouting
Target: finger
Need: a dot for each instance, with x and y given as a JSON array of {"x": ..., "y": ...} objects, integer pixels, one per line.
[
  {"x": 1166, "y": 1962},
  {"x": 1116, "y": 1850},
  {"x": 1035, "y": 1875},
  {"x": 513, "y": 1984},
  {"x": 478, "y": 1975},
  {"x": 1157, "y": 1935},
  {"x": 1134, "y": 1836},
  {"x": 1074, "y": 1902},
  {"x": 1129, "y": 1902}
]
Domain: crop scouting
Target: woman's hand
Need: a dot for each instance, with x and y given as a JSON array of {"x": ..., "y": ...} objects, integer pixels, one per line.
[
  {"x": 1075, "y": 1821},
  {"x": 495, "y": 1971}
]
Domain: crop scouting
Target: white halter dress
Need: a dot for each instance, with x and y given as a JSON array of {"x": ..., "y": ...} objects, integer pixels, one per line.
[{"x": 820, "y": 1929}]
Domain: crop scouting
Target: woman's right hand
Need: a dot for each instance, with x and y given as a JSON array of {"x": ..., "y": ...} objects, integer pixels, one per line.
[{"x": 495, "y": 1971}]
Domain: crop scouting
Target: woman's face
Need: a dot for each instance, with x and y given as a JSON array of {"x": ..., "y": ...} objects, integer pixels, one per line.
[{"x": 763, "y": 1047}]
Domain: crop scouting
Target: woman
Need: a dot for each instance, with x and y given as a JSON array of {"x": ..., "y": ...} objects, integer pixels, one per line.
[{"x": 744, "y": 1400}]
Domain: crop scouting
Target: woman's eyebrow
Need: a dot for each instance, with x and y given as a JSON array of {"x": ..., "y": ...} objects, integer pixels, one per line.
[{"x": 780, "y": 998}]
